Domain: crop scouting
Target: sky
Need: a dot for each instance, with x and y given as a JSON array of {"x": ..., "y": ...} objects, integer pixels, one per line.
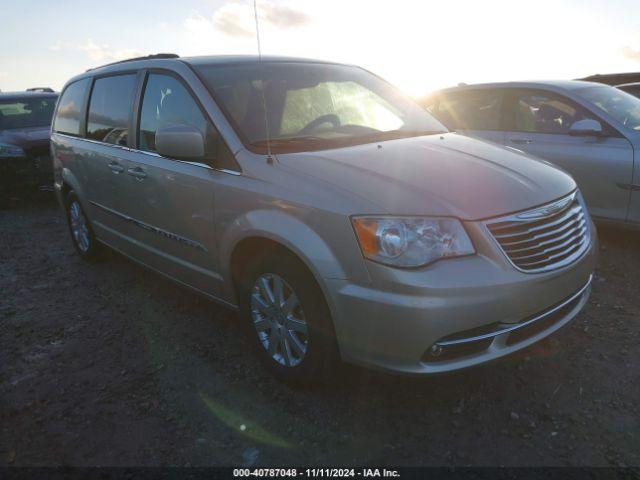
[{"x": 419, "y": 45}]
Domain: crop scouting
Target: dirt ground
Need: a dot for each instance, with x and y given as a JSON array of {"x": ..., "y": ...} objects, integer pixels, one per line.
[{"x": 110, "y": 364}]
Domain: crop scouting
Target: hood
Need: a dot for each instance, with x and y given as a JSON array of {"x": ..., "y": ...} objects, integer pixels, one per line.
[
  {"x": 446, "y": 175},
  {"x": 26, "y": 137}
]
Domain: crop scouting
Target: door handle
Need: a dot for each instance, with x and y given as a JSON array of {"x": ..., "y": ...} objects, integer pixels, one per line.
[
  {"x": 521, "y": 141},
  {"x": 138, "y": 173},
  {"x": 116, "y": 167}
]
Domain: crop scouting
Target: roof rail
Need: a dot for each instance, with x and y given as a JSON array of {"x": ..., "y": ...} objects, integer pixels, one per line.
[
  {"x": 40, "y": 89},
  {"x": 147, "y": 57}
]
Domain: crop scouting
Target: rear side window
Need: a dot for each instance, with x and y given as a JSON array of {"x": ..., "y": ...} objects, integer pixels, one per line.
[
  {"x": 167, "y": 102},
  {"x": 69, "y": 114},
  {"x": 109, "y": 108},
  {"x": 470, "y": 110}
]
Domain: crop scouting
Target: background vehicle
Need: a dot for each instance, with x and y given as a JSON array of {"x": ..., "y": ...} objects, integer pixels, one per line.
[
  {"x": 631, "y": 88},
  {"x": 613, "y": 78},
  {"x": 25, "y": 123},
  {"x": 330, "y": 209},
  {"x": 591, "y": 130}
]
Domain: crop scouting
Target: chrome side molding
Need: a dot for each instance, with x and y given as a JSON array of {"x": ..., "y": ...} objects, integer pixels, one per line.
[{"x": 152, "y": 228}]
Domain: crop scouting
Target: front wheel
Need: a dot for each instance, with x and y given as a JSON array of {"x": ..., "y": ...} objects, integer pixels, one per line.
[{"x": 289, "y": 320}]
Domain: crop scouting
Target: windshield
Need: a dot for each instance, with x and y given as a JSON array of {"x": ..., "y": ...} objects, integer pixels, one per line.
[
  {"x": 313, "y": 106},
  {"x": 26, "y": 112},
  {"x": 620, "y": 105}
]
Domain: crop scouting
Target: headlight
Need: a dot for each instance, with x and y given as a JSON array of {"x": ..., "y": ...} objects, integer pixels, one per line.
[
  {"x": 7, "y": 150},
  {"x": 411, "y": 241}
]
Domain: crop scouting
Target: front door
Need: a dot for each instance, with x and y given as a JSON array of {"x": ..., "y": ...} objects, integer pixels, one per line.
[
  {"x": 539, "y": 124},
  {"x": 170, "y": 203}
]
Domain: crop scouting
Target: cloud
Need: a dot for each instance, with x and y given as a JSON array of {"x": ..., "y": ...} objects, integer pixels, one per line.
[
  {"x": 234, "y": 20},
  {"x": 283, "y": 17},
  {"x": 104, "y": 52},
  {"x": 97, "y": 52},
  {"x": 237, "y": 20},
  {"x": 631, "y": 53}
]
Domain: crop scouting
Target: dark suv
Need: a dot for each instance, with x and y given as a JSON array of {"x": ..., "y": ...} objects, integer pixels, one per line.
[{"x": 25, "y": 123}]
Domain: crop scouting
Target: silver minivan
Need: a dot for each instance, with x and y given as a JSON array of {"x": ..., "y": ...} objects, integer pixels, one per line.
[
  {"x": 339, "y": 218},
  {"x": 589, "y": 129}
]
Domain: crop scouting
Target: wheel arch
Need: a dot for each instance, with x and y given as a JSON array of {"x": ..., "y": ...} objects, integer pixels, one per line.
[
  {"x": 69, "y": 183},
  {"x": 255, "y": 234},
  {"x": 254, "y": 248}
]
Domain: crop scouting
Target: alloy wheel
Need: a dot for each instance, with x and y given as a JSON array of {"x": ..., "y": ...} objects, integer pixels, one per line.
[
  {"x": 279, "y": 320},
  {"x": 79, "y": 227}
]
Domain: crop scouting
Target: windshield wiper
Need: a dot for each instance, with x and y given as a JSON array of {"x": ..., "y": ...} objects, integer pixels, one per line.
[
  {"x": 396, "y": 134},
  {"x": 313, "y": 142},
  {"x": 415, "y": 133},
  {"x": 289, "y": 140}
]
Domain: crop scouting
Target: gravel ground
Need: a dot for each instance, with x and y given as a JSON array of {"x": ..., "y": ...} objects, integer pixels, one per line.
[{"x": 110, "y": 364}]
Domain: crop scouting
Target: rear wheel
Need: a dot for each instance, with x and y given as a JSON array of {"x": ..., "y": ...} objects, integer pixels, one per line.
[
  {"x": 289, "y": 320},
  {"x": 80, "y": 229}
]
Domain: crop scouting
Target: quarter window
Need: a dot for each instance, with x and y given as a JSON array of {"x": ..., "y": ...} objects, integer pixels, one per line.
[
  {"x": 69, "y": 114},
  {"x": 109, "y": 108}
]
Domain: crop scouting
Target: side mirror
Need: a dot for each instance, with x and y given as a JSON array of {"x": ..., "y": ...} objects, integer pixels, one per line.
[
  {"x": 586, "y": 127},
  {"x": 183, "y": 142}
]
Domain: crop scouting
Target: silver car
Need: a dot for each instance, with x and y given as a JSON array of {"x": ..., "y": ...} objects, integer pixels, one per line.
[
  {"x": 338, "y": 217},
  {"x": 589, "y": 129},
  {"x": 631, "y": 88}
]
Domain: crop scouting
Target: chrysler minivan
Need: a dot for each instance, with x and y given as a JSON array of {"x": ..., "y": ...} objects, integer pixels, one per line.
[{"x": 340, "y": 218}]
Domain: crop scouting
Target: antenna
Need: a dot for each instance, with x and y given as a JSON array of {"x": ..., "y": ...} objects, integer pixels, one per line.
[{"x": 264, "y": 101}]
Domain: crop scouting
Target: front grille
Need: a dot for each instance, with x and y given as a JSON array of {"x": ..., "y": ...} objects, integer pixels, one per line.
[{"x": 544, "y": 238}]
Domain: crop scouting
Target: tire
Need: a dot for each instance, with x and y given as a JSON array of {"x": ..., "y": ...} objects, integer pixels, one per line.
[
  {"x": 283, "y": 356},
  {"x": 80, "y": 230}
]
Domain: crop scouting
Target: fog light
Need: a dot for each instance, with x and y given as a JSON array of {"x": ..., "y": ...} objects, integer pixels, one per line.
[{"x": 435, "y": 350}]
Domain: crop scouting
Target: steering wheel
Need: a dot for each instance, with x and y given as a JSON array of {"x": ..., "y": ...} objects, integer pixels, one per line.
[{"x": 313, "y": 124}]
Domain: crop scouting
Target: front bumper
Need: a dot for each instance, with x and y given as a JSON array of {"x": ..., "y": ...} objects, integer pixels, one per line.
[
  {"x": 456, "y": 313},
  {"x": 34, "y": 169}
]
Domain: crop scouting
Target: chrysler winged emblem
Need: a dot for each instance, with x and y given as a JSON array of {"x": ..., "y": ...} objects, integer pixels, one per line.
[{"x": 547, "y": 210}]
